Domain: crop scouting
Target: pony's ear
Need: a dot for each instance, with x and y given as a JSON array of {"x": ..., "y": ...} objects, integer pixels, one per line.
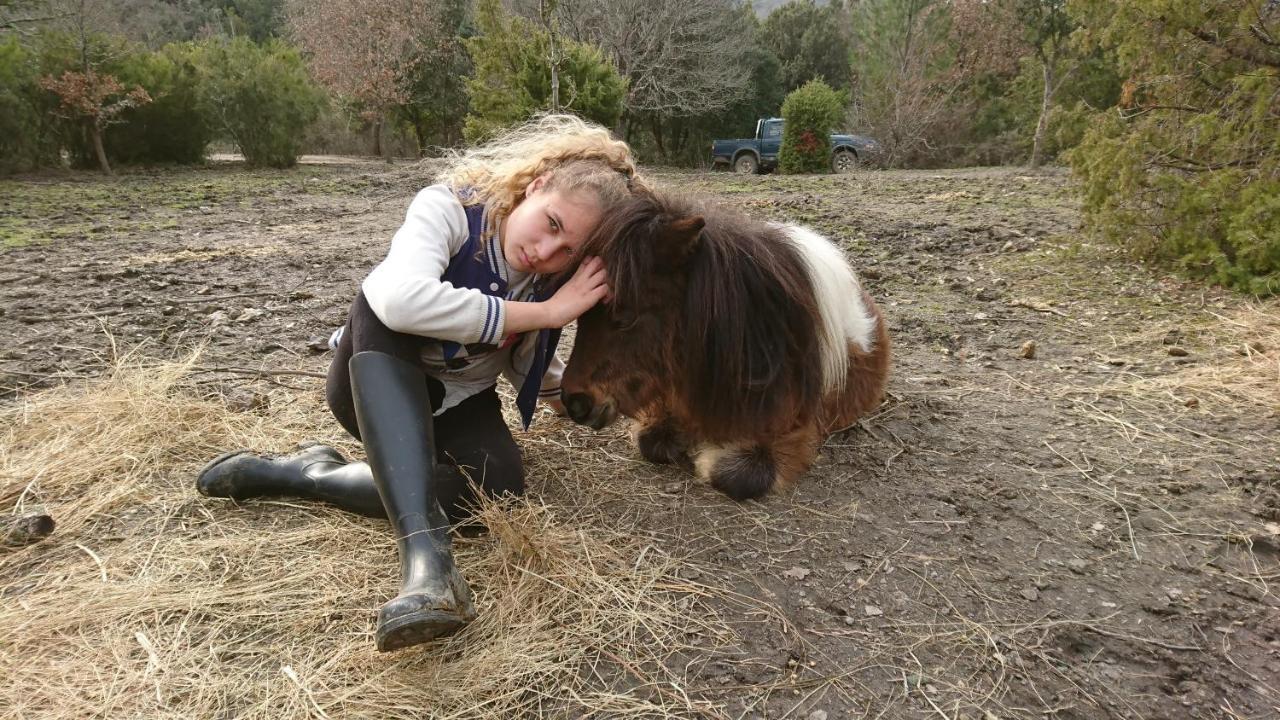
[{"x": 680, "y": 240}]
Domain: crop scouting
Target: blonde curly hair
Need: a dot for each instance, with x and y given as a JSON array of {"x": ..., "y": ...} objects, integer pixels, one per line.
[{"x": 574, "y": 154}]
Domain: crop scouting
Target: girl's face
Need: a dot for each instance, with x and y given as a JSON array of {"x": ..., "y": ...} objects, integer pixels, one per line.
[{"x": 544, "y": 233}]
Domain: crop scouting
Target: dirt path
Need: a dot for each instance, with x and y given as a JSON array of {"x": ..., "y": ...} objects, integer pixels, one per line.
[{"x": 1086, "y": 529}]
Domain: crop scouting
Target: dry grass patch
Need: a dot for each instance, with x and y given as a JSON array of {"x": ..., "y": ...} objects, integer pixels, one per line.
[
  {"x": 1240, "y": 363},
  {"x": 150, "y": 601}
]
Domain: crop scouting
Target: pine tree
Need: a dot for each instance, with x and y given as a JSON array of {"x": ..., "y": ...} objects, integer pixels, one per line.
[
  {"x": 1188, "y": 170},
  {"x": 513, "y": 75}
]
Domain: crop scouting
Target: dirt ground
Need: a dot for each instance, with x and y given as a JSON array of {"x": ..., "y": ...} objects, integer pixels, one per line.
[{"x": 1068, "y": 507}]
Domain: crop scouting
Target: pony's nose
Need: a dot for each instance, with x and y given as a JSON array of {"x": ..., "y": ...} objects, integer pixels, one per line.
[{"x": 578, "y": 405}]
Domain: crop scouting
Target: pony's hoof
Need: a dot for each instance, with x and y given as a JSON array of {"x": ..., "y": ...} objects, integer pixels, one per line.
[
  {"x": 663, "y": 445},
  {"x": 418, "y": 618},
  {"x": 744, "y": 474}
]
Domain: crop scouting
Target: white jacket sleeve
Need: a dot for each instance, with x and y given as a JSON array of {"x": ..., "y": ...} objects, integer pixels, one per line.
[{"x": 405, "y": 290}]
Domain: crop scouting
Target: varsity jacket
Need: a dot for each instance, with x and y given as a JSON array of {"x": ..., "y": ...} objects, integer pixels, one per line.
[{"x": 444, "y": 280}]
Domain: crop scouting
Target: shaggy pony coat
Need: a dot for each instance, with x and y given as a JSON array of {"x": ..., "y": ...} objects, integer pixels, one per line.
[{"x": 736, "y": 345}]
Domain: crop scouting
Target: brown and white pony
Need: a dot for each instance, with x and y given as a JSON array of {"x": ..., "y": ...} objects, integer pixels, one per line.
[{"x": 736, "y": 345}]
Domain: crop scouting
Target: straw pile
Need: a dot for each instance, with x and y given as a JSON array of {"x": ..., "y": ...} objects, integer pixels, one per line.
[{"x": 150, "y": 601}]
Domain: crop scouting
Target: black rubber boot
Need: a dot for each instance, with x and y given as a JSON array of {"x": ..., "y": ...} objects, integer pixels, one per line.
[
  {"x": 394, "y": 414},
  {"x": 316, "y": 473}
]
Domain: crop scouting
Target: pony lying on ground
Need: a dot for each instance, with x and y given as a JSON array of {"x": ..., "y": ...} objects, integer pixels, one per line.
[{"x": 736, "y": 345}]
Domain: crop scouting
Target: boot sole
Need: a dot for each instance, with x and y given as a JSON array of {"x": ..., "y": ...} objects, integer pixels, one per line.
[{"x": 417, "y": 628}]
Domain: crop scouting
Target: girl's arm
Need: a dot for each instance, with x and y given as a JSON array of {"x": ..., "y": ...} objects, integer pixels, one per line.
[
  {"x": 405, "y": 290},
  {"x": 586, "y": 288}
]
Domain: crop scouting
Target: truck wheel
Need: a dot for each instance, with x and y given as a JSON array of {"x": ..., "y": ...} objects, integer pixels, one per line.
[
  {"x": 844, "y": 161},
  {"x": 746, "y": 164}
]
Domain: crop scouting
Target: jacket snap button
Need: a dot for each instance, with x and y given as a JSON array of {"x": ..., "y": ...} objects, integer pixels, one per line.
[{"x": 493, "y": 287}]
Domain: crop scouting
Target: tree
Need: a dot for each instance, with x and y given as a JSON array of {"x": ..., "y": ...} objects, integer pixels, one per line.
[
  {"x": 370, "y": 52},
  {"x": 94, "y": 99},
  {"x": 810, "y": 42},
  {"x": 514, "y": 77},
  {"x": 680, "y": 58},
  {"x": 27, "y": 137},
  {"x": 260, "y": 20},
  {"x": 438, "y": 103},
  {"x": 1187, "y": 169},
  {"x": 88, "y": 96},
  {"x": 1048, "y": 27},
  {"x": 900, "y": 57}
]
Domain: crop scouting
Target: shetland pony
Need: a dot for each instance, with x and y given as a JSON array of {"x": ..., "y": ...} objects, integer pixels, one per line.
[{"x": 736, "y": 345}]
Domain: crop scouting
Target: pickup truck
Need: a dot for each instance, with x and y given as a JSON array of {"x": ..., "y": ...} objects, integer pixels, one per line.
[{"x": 759, "y": 154}]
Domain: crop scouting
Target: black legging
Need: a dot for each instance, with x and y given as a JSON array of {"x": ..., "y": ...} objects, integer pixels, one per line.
[{"x": 471, "y": 436}]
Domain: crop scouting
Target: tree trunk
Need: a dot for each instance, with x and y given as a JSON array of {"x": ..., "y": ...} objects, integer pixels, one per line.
[
  {"x": 544, "y": 13},
  {"x": 95, "y": 136},
  {"x": 656, "y": 128},
  {"x": 377, "y": 137},
  {"x": 420, "y": 136},
  {"x": 1042, "y": 125},
  {"x": 555, "y": 76}
]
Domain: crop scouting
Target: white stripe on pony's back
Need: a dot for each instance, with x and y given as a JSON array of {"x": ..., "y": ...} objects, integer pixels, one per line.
[{"x": 844, "y": 316}]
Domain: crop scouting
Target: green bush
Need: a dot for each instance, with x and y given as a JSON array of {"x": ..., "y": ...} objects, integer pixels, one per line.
[
  {"x": 28, "y": 138},
  {"x": 258, "y": 97},
  {"x": 1187, "y": 171},
  {"x": 171, "y": 128},
  {"x": 811, "y": 113}
]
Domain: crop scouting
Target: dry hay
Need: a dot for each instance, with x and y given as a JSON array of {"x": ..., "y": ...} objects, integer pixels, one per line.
[
  {"x": 150, "y": 601},
  {"x": 1240, "y": 363}
]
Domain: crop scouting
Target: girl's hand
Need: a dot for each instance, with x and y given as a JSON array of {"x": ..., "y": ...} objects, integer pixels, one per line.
[{"x": 587, "y": 287}]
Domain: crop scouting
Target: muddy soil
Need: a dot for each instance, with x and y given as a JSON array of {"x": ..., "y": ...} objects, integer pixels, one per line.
[{"x": 1041, "y": 521}]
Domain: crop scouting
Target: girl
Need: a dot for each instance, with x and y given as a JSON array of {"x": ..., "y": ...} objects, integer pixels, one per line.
[{"x": 477, "y": 283}]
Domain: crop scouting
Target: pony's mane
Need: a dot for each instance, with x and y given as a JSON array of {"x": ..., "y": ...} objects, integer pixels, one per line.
[{"x": 747, "y": 345}]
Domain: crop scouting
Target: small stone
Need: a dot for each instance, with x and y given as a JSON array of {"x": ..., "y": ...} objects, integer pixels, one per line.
[
  {"x": 1192, "y": 402},
  {"x": 1176, "y": 351},
  {"x": 1173, "y": 593},
  {"x": 818, "y": 715},
  {"x": 848, "y": 620},
  {"x": 247, "y": 401},
  {"x": 872, "y": 611},
  {"x": 796, "y": 573},
  {"x": 1077, "y": 565},
  {"x": 1030, "y": 594},
  {"x": 218, "y": 318},
  {"x": 250, "y": 314},
  {"x": 318, "y": 344},
  {"x": 1172, "y": 337},
  {"x": 987, "y": 294},
  {"x": 1028, "y": 351}
]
